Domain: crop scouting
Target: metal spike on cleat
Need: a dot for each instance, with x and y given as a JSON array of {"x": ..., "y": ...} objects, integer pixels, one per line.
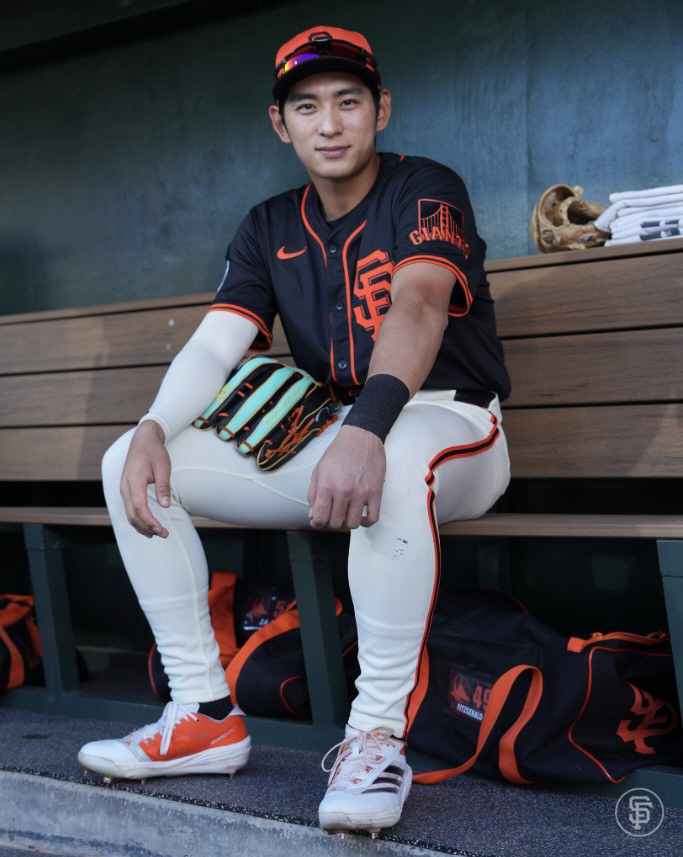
[
  {"x": 107, "y": 780},
  {"x": 374, "y": 834}
]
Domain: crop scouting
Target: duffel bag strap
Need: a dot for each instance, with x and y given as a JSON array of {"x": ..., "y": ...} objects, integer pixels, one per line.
[
  {"x": 500, "y": 693},
  {"x": 16, "y": 662},
  {"x": 15, "y": 608}
]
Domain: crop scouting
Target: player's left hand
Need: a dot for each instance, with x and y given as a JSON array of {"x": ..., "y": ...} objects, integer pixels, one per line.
[{"x": 348, "y": 479}]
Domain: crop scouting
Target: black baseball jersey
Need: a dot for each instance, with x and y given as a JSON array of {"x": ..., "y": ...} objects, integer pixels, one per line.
[{"x": 330, "y": 281}]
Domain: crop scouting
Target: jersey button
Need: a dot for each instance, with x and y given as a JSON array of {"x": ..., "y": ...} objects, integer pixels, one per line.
[
  {"x": 339, "y": 305},
  {"x": 342, "y": 364},
  {"x": 332, "y": 248}
]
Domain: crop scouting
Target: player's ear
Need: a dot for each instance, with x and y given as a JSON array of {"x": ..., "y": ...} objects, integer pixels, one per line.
[
  {"x": 383, "y": 110},
  {"x": 278, "y": 123}
]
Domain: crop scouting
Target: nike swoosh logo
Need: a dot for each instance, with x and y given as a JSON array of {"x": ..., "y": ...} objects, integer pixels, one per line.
[{"x": 283, "y": 254}]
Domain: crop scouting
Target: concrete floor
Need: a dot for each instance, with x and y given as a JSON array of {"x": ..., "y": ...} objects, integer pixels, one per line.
[{"x": 270, "y": 808}]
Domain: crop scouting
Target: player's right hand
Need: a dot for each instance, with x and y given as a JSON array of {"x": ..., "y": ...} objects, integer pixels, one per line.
[{"x": 147, "y": 463}]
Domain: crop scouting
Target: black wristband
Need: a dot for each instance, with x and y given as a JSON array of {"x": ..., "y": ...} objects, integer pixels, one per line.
[{"x": 377, "y": 407}]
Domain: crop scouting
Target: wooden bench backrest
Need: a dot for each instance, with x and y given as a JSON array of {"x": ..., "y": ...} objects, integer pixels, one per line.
[{"x": 593, "y": 341}]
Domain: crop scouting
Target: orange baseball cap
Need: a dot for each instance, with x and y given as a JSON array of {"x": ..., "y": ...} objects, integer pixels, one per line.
[{"x": 324, "y": 49}]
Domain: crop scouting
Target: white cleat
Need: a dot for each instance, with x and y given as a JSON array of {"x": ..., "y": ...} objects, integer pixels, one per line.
[{"x": 369, "y": 782}]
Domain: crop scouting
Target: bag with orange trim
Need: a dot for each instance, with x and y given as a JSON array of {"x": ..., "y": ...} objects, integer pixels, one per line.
[
  {"x": 20, "y": 651},
  {"x": 267, "y": 677},
  {"x": 502, "y": 694},
  {"x": 270, "y": 410}
]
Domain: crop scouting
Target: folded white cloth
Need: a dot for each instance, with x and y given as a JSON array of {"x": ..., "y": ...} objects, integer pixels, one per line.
[
  {"x": 646, "y": 224},
  {"x": 630, "y": 216},
  {"x": 644, "y": 202},
  {"x": 645, "y": 236},
  {"x": 652, "y": 191}
]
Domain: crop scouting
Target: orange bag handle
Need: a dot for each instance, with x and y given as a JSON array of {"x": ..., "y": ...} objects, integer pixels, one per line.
[
  {"x": 507, "y": 761},
  {"x": 578, "y": 644},
  {"x": 17, "y": 607},
  {"x": 16, "y": 662}
]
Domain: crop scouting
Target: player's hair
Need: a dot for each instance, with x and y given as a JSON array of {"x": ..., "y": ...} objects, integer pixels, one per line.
[{"x": 374, "y": 92}]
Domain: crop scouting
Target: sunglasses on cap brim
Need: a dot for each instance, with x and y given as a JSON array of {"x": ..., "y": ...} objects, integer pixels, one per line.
[{"x": 325, "y": 48}]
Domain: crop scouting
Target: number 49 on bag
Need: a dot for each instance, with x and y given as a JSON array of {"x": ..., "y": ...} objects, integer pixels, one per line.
[{"x": 468, "y": 694}]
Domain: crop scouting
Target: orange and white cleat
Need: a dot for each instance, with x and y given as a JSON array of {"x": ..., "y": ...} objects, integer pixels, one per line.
[{"x": 181, "y": 742}]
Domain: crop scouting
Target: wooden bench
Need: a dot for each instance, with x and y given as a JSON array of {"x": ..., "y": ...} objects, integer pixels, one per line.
[{"x": 594, "y": 345}]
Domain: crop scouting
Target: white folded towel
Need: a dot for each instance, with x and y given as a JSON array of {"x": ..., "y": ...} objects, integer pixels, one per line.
[
  {"x": 646, "y": 224},
  {"x": 652, "y": 191},
  {"x": 611, "y": 242},
  {"x": 647, "y": 235},
  {"x": 644, "y": 202},
  {"x": 628, "y": 216}
]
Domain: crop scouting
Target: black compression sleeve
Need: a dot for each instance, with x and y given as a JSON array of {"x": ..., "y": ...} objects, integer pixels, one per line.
[{"x": 377, "y": 407}]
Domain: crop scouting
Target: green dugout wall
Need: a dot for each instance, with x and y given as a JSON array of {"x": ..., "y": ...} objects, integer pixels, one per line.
[{"x": 135, "y": 134}]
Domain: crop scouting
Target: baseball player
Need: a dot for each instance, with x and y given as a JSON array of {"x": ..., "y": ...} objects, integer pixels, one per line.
[{"x": 376, "y": 271}]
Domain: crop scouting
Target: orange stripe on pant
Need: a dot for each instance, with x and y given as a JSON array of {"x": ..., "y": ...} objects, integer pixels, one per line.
[{"x": 417, "y": 694}]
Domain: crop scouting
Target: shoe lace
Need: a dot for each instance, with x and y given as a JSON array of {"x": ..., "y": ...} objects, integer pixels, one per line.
[
  {"x": 354, "y": 754},
  {"x": 173, "y": 713}
]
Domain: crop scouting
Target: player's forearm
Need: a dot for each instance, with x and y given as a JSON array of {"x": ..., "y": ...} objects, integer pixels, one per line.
[
  {"x": 199, "y": 370},
  {"x": 406, "y": 348},
  {"x": 408, "y": 341}
]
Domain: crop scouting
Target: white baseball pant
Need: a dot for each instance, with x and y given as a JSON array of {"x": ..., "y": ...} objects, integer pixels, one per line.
[{"x": 446, "y": 461}]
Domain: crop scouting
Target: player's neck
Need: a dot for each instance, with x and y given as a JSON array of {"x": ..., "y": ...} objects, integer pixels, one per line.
[{"x": 339, "y": 196}]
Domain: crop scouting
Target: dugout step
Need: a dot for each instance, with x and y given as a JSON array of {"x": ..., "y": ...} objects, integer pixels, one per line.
[{"x": 270, "y": 808}]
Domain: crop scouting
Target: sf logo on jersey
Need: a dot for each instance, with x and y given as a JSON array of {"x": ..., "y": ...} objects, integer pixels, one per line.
[
  {"x": 439, "y": 221},
  {"x": 373, "y": 290}
]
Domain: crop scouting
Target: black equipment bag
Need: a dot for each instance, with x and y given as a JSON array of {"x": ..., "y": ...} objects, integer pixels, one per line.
[
  {"x": 502, "y": 694},
  {"x": 267, "y": 677}
]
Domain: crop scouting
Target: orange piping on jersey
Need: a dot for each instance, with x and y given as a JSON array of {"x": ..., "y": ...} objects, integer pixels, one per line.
[
  {"x": 476, "y": 448},
  {"x": 249, "y": 315},
  {"x": 334, "y": 375},
  {"x": 450, "y": 266},
  {"x": 308, "y": 225},
  {"x": 348, "y": 296}
]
